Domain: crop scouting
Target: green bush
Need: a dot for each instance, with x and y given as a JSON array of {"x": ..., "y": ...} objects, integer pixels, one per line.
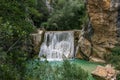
[
  {"x": 24, "y": 13},
  {"x": 12, "y": 54},
  {"x": 118, "y": 77},
  {"x": 7, "y": 70},
  {"x": 114, "y": 59},
  {"x": 15, "y": 26},
  {"x": 73, "y": 72},
  {"x": 66, "y": 15}
]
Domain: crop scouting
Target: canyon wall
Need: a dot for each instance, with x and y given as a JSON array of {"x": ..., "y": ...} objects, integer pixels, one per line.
[{"x": 102, "y": 33}]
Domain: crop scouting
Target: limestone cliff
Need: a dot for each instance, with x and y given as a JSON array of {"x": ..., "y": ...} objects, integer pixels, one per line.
[{"x": 104, "y": 27}]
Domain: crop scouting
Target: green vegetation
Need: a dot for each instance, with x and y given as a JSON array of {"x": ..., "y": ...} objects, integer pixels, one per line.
[
  {"x": 26, "y": 15},
  {"x": 114, "y": 59},
  {"x": 118, "y": 76},
  {"x": 15, "y": 27},
  {"x": 19, "y": 18},
  {"x": 23, "y": 14},
  {"x": 37, "y": 70},
  {"x": 66, "y": 15}
]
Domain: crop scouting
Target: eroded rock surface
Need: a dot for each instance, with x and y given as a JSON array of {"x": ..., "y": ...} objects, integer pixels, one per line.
[{"x": 104, "y": 22}]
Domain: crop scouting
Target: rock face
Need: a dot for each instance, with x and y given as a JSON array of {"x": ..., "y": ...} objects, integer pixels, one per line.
[
  {"x": 76, "y": 38},
  {"x": 103, "y": 16},
  {"x": 37, "y": 40},
  {"x": 105, "y": 73}
]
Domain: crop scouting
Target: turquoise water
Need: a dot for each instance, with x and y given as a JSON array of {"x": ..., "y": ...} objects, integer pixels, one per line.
[{"x": 86, "y": 65}]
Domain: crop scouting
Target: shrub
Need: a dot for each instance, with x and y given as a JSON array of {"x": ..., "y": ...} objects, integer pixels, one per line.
[
  {"x": 7, "y": 70},
  {"x": 73, "y": 72},
  {"x": 118, "y": 76},
  {"x": 114, "y": 59},
  {"x": 67, "y": 15},
  {"x": 45, "y": 71}
]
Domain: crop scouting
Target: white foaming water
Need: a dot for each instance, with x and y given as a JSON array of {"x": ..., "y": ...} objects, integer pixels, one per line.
[{"x": 57, "y": 45}]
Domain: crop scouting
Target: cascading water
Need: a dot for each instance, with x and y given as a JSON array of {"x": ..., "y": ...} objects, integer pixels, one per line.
[
  {"x": 47, "y": 2},
  {"x": 57, "y": 44}
]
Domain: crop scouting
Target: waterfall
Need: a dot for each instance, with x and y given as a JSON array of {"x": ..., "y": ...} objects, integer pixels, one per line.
[
  {"x": 57, "y": 44},
  {"x": 47, "y": 2}
]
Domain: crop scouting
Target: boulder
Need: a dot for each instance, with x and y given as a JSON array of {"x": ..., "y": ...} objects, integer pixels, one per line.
[{"x": 105, "y": 73}]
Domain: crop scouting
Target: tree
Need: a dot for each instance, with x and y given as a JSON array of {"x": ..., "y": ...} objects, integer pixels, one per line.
[{"x": 66, "y": 15}]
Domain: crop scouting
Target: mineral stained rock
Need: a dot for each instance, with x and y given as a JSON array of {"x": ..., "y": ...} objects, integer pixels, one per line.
[{"x": 103, "y": 16}]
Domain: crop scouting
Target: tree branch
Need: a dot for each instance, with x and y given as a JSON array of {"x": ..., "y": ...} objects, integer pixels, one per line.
[{"x": 13, "y": 45}]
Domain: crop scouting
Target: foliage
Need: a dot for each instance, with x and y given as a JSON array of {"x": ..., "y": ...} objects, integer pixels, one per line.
[
  {"x": 118, "y": 76},
  {"x": 114, "y": 59},
  {"x": 66, "y": 15},
  {"x": 12, "y": 65},
  {"x": 18, "y": 19},
  {"x": 14, "y": 30},
  {"x": 6, "y": 70},
  {"x": 73, "y": 72},
  {"x": 66, "y": 71},
  {"x": 24, "y": 13},
  {"x": 12, "y": 54},
  {"x": 40, "y": 14}
]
